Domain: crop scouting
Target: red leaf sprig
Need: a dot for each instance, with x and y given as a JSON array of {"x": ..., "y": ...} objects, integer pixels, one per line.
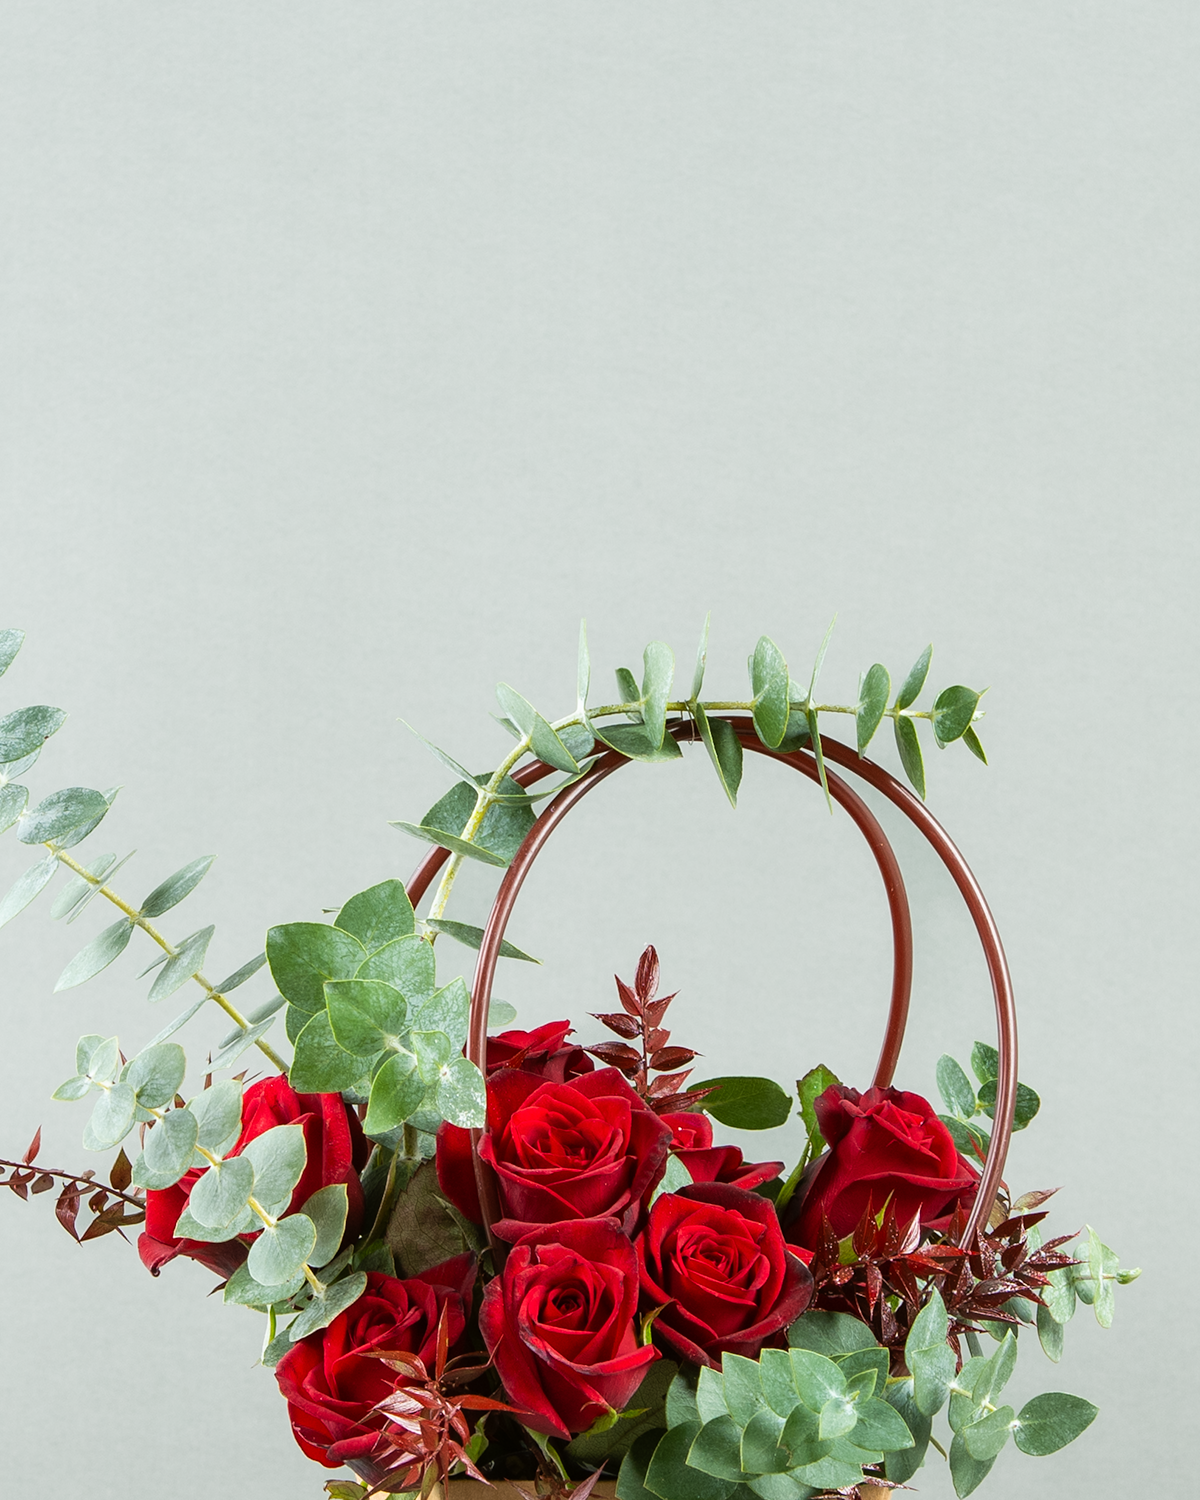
[
  {"x": 641, "y": 1020},
  {"x": 108, "y": 1204},
  {"x": 427, "y": 1433}
]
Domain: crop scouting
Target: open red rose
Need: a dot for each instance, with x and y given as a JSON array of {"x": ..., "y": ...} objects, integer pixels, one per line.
[
  {"x": 692, "y": 1134},
  {"x": 584, "y": 1149},
  {"x": 886, "y": 1148},
  {"x": 331, "y": 1381},
  {"x": 712, "y": 1257},
  {"x": 560, "y": 1324},
  {"x": 336, "y": 1150}
]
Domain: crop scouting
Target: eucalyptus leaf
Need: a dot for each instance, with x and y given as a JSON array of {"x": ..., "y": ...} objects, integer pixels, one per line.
[
  {"x": 11, "y": 642},
  {"x": 500, "y": 1013},
  {"x": 98, "y": 1057},
  {"x": 1050, "y": 1332},
  {"x": 320, "y": 1065},
  {"x": 12, "y": 804},
  {"x": 543, "y": 740},
  {"x": 27, "y": 730},
  {"x": 583, "y": 675},
  {"x": 966, "y": 1472},
  {"x": 303, "y": 955},
  {"x": 658, "y": 662},
  {"x": 240, "y": 976},
  {"x": 74, "y": 898},
  {"x": 112, "y": 1118},
  {"x": 180, "y": 1020},
  {"x": 407, "y": 964},
  {"x": 156, "y": 1073},
  {"x": 446, "y": 1011},
  {"x": 461, "y": 1095},
  {"x": 872, "y": 704},
  {"x": 78, "y": 834},
  {"x": 671, "y": 1477},
  {"x": 810, "y": 1088},
  {"x": 472, "y": 937},
  {"x": 167, "y": 1153},
  {"x": 62, "y": 812},
  {"x": 833, "y": 1334},
  {"x": 277, "y": 1158},
  {"x": 221, "y": 1193},
  {"x": 189, "y": 1228},
  {"x": 234, "y": 1046},
  {"x": 397, "y": 1091},
  {"x": 98, "y": 954},
  {"x": 366, "y": 1015},
  {"x": 29, "y": 884},
  {"x": 911, "y": 759},
  {"x": 724, "y": 750},
  {"x": 769, "y": 682},
  {"x": 328, "y": 1208},
  {"x": 281, "y": 1249},
  {"x": 915, "y": 681},
  {"x": 974, "y": 744},
  {"x": 422, "y": 1231},
  {"x": 176, "y": 887},
  {"x": 74, "y": 1088},
  {"x": 955, "y": 1088},
  {"x": 325, "y": 1306},
  {"x": 243, "y": 1291},
  {"x": 500, "y": 834},
  {"x": 1027, "y": 1105},
  {"x": 379, "y": 915},
  {"x": 929, "y": 1357},
  {"x": 439, "y": 754},
  {"x": 632, "y": 741},
  {"x": 188, "y": 960},
  {"x": 1050, "y": 1422},
  {"x": 701, "y": 659},
  {"x": 952, "y": 713},
  {"x": 629, "y": 693},
  {"x": 901, "y": 1464},
  {"x": 218, "y": 1112}
]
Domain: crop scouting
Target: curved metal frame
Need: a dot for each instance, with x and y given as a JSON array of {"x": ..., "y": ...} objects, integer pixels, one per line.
[{"x": 803, "y": 761}]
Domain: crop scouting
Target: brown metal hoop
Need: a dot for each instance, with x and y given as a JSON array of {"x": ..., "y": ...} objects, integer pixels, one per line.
[{"x": 802, "y": 760}]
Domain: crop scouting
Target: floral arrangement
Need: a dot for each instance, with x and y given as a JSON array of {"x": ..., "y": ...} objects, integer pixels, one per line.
[{"x": 503, "y": 1256}]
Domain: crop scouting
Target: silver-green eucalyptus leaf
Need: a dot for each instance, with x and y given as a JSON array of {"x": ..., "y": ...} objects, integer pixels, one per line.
[
  {"x": 472, "y": 937},
  {"x": 11, "y": 642},
  {"x": 701, "y": 659},
  {"x": 222, "y": 1193},
  {"x": 724, "y": 750},
  {"x": 872, "y": 704},
  {"x": 328, "y": 1209},
  {"x": 98, "y": 954},
  {"x": 26, "y": 731},
  {"x": 910, "y": 753},
  {"x": 378, "y": 916},
  {"x": 167, "y": 1153},
  {"x": 658, "y": 672},
  {"x": 12, "y": 804},
  {"x": 112, "y": 1118},
  {"x": 461, "y": 1096},
  {"x": 583, "y": 674},
  {"x": 188, "y": 960},
  {"x": 28, "y": 885},
  {"x": 243, "y": 1291},
  {"x": 240, "y": 976},
  {"x": 218, "y": 1112},
  {"x": 156, "y": 1074},
  {"x": 176, "y": 887},
  {"x": 325, "y": 1306},
  {"x": 281, "y": 1249},
  {"x": 237, "y": 1043},
  {"x": 74, "y": 1088},
  {"x": 769, "y": 682},
  {"x": 277, "y": 1157},
  {"x": 77, "y": 888},
  {"x": 180, "y": 1020},
  {"x": 61, "y": 813}
]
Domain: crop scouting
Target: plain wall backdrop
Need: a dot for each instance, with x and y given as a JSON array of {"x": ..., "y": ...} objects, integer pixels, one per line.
[{"x": 350, "y": 353}]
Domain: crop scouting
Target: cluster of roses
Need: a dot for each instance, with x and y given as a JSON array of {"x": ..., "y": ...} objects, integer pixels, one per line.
[{"x": 595, "y": 1257}]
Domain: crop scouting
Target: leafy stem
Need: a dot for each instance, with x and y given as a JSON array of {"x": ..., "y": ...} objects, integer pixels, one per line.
[{"x": 165, "y": 944}]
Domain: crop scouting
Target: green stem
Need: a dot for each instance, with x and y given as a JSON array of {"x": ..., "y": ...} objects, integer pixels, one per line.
[
  {"x": 171, "y": 951},
  {"x": 793, "y": 1182}
]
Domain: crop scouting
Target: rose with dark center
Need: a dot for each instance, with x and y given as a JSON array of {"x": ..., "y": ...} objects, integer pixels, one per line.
[
  {"x": 560, "y": 1324},
  {"x": 331, "y": 1380},
  {"x": 712, "y": 1257},
  {"x": 336, "y": 1151},
  {"x": 692, "y": 1134},
  {"x": 584, "y": 1149},
  {"x": 887, "y": 1149}
]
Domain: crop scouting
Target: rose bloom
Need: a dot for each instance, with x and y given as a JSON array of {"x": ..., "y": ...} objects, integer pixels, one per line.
[
  {"x": 886, "y": 1148},
  {"x": 584, "y": 1149},
  {"x": 712, "y": 1257},
  {"x": 336, "y": 1150},
  {"x": 692, "y": 1134},
  {"x": 330, "y": 1380},
  {"x": 560, "y": 1324}
]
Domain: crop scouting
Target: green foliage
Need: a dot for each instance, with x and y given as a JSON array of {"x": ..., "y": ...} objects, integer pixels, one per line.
[
  {"x": 810, "y": 1088},
  {"x": 472, "y": 937},
  {"x": 25, "y": 732},
  {"x": 770, "y": 682},
  {"x": 745, "y": 1103},
  {"x": 498, "y": 837},
  {"x": 872, "y": 704},
  {"x": 965, "y": 1105},
  {"x": 176, "y": 887},
  {"x": 724, "y": 750}
]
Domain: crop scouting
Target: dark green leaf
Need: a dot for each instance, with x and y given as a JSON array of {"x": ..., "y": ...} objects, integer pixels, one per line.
[
  {"x": 671, "y": 1477},
  {"x": 952, "y": 712},
  {"x": 57, "y": 815},
  {"x": 833, "y": 1334},
  {"x": 746, "y": 1103},
  {"x": 98, "y": 954},
  {"x": 27, "y": 730},
  {"x": 325, "y": 1306},
  {"x": 378, "y": 915},
  {"x": 769, "y": 681},
  {"x": 1050, "y": 1422},
  {"x": 1050, "y": 1333},
  {"x": 28, "y": 885},
  {"x": 955, "y": 1088},
  {"x": 872, "y": 703},
  {"x": 810, "y": 1088},
  {"x": 631, "y": 1481},
  {"x": 12, "y": 804},
  {"x": 701, "y": 659},
  {"x": 724, "y": 750},
  {"x": 716, "y": 1448},
  {"x": 973, "y": 743},
  {"x": 472, "y": 937},
  {"x": 451, "y": 841},
  {"x": 881, "y": 1426},
  {"x": 10, "y": 643},
  {"x": 499, "y": 836},
  {"x": 967, "y": 1473},
  {"x": 915, "y": 680},
  {"x": 172, "y": 891},
  {"x": 422, "y": 1232},
  {"x": 911, "y": 759},
  {"x": 658, "y": 673},
  {"x": 902, "y": 1464},
  {"x": 929, "y": 1356},
  {"x": 761, "y": 1450},
  {"x": 1027, "y": 1106},
  {"x": 543, "y": 740},
  {"x": 303, "y": 955},
  {"x": 365, "y": 1015},
  {"x": 320, "y": 1065},
  {"x": 407, "y": 964},
  {"x": 985, "y": 1062},
  {"x": 448, "y": 1011}
]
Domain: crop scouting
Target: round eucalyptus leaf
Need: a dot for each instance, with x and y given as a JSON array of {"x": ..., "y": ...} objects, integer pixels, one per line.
[
  {"x": 282, "y": 1250},
  {"x": 222, "y": 1193}
]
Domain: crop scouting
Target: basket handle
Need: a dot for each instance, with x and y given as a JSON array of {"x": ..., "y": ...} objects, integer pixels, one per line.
[{"x": 803, "y": 761}]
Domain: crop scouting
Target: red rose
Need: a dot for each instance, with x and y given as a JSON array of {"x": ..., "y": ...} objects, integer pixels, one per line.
[
  {"x": 885, "y": 1148},
  {"x": 331, "y": 1381},
  {"x": 713, "y": 1258},
  {"x": 692, "y": 1134},
  {"x": 543, "y": 1051},
  {"x": 336, "y": 1150},
  {"x": 560, "y": 1323},
  {"x": 586, "y": 1149}
]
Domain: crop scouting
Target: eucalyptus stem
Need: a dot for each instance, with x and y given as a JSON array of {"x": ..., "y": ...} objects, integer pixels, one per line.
[{"x": 166, "y": 945}]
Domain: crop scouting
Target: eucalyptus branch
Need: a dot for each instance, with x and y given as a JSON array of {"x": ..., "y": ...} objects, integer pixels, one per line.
[{"x": 165, "y": 944}]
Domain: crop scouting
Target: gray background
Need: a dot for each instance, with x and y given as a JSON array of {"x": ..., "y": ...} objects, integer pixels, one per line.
[{"x": 352, "y": 353}]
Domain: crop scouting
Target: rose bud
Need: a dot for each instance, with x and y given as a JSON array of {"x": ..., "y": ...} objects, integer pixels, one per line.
[
  {"x": 336, "y": 1151},
  {"x": 331, "y": 1381},
  {"x": 585, "y": 1149},
  {"x": 712, "y": 1257},
  {"x": 560, "y": 1324},
  {"x": 692, "y": 1134},
  {"x": 886, "y": 1149}
]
